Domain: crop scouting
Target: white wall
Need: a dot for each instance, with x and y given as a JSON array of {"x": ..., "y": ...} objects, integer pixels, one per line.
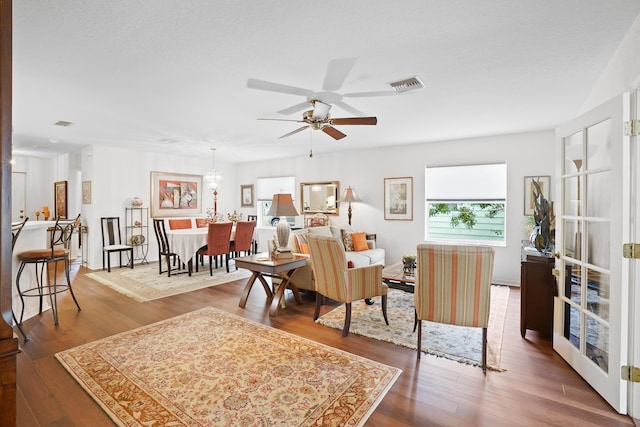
[
  {"x": 39, "y": 183},
  {"x": 526, "y": 155},
  {"x": 117, "y": 175},
  {"x": 622, "y": 73}
]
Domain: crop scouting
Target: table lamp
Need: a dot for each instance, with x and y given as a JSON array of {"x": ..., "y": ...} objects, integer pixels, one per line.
[
  {"x": 282, "y": 206},
  {"x": 349, "y": 195}
]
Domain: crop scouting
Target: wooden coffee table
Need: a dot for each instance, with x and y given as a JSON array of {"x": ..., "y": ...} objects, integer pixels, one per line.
[
  {"x": 262, "y": 265},
  {"x": 395, "y": 277}
]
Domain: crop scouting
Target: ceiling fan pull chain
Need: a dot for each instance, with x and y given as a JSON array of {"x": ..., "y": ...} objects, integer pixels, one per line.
[{"x": 310, "y": 143}]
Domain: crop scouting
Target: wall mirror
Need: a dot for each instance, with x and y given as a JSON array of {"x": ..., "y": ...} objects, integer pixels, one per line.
[{"x": 319, "y": 197}]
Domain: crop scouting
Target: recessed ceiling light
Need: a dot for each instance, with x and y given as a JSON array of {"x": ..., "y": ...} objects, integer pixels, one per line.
[
  {"x": 408, "y": 84},
  {"x": 62, "y": 123},
  {"x": 53, "y": 141},
  {"x": 168, "y": 140}
]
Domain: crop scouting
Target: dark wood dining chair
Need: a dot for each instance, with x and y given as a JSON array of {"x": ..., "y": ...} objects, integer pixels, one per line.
[
  {"x": 218, "y": 244},
  {"x": 164, "y": 250},
  {"x": 112, "y": 242}
]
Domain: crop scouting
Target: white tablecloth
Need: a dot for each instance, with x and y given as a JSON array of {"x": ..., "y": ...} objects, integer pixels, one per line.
[{"x": 185, "y": 242}]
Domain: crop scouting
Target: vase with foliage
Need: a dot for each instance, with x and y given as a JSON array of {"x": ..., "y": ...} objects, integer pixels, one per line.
[{"x": 543, "y": 234}]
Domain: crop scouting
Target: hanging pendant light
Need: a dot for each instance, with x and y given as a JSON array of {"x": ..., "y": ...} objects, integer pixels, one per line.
[{"x": 213, "y": 179}]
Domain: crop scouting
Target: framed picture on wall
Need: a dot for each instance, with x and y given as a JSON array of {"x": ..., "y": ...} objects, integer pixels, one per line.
[
  {"x": 398, "y": 198},
  {"x": 529, "y": 201},
  {"x": 175, "y": 194},
  {"x": 86, "y": 192},
  {"x": 60, "y": 198},
  {"x": 246, "y": 196}
]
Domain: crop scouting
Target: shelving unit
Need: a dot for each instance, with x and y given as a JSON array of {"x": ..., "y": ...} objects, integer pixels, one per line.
[{"x": 137, "y": 232}]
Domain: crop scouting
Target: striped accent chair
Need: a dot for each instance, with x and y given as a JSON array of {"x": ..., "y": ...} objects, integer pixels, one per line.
[
  {"x": 453, "y": 286},
  {"x": 333, "y": 278}
]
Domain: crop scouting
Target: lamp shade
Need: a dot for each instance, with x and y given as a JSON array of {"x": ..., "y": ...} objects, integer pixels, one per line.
[
  {"x": 349, "y": 195},
  {"x": 282, "y": 205}
]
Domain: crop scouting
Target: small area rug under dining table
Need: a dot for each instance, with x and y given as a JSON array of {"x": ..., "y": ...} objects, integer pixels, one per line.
[
  {"x": 144, "y": 283},
  {"x": 212, "y": 368}
]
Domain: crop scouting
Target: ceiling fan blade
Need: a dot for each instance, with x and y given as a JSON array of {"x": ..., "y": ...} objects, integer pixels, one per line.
[
  {"x": 349, "y": 109},
  {"x": 354, "y": 121},
  {"x": 337, "y": 72},
  {"x": 277, "y": 87},
  {"x": 368, "y": 94},
  {"x": 295, "y": 108},
  {"x": 333, "y": 132},
  {"x": 282, "y": 120},
  {"x": 294, "y": 132}
]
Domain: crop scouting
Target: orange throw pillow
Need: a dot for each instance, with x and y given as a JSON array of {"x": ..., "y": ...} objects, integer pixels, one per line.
[{"x": 359, "y": 241}]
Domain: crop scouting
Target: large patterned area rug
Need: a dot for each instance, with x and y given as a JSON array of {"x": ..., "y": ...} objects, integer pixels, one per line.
[
  {"x": 211, "y": 368},
  {"x": 143, "y": 283},
  {"x": 458, "y": 343}
]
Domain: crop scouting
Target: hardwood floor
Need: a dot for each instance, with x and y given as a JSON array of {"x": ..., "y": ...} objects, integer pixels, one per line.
[{"x": 538, "y": 388}]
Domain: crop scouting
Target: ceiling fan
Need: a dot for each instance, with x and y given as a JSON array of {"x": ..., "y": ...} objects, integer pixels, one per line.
[{"x": 318, "y": 119}]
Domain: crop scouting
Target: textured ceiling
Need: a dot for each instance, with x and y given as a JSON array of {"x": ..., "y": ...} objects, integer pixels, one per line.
[{"x": 171, "y": 76}]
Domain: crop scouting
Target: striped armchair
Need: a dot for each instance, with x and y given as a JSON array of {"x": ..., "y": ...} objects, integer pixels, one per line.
[
  {"x": 335, "y": 280},
  {"x": 453, "y": 286}
]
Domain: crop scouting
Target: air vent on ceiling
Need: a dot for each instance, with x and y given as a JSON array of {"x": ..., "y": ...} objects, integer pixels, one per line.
[
  {"x": 168, "y": 141},
  {"x": 62, "y": 123},
  {"x": 406, "y": 85}
]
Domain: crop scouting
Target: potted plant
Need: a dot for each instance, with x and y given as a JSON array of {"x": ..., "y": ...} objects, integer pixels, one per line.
[{"x": 543, "y": 234}]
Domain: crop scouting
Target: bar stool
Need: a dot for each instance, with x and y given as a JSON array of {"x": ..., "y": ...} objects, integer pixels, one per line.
[
  {"x": 16, "y": 229},
  {"x": 60, "y": 235}
]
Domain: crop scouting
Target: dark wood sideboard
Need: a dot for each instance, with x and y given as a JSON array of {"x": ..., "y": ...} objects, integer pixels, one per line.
[{"x": 537, "y": 289}]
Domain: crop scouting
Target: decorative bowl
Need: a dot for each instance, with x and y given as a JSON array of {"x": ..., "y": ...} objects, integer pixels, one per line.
[{"x": 137, "y": 239}]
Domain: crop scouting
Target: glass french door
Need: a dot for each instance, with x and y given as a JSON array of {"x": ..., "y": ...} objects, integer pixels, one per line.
[
  {"x": 634, "y": 297},
  {"x": 592, "y": 216}
]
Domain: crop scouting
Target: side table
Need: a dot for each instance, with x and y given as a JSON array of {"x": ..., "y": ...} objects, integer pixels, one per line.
[
  {"x": 537, "y": 290},
  {"x": 262, "y": 265}
]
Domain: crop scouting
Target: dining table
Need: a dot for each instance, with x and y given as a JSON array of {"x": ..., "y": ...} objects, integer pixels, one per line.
[{"x": 186, "y": 241}]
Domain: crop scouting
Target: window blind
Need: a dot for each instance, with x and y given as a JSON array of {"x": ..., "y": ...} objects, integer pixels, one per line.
[{"x": 469, "y": 183}]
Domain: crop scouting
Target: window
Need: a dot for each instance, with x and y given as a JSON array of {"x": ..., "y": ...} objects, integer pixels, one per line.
[
  {"x": 265, "y": 189},
  {"x": 466, "y": 203}
]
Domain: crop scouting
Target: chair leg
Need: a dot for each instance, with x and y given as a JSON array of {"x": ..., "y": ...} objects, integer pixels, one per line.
[
  {"x": 384, "y": 309},
  {"x": 347, "y": 319},
  {"x": 19, "y": 326},
  {"x": 484, "y": 349},
  {"x": 53, "y": 292},
  {"x": 319, "y": 301},
  {"x": 419, "y": 338},
  {"x": 131, "y": 258},
  {"x": 67, "y": 268},
  {"x": 210, "y": 266},
  {"x": 226, "y": 258},
  {"x": 169, "y": 265},
  {"x": 415, "y": 319}
]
